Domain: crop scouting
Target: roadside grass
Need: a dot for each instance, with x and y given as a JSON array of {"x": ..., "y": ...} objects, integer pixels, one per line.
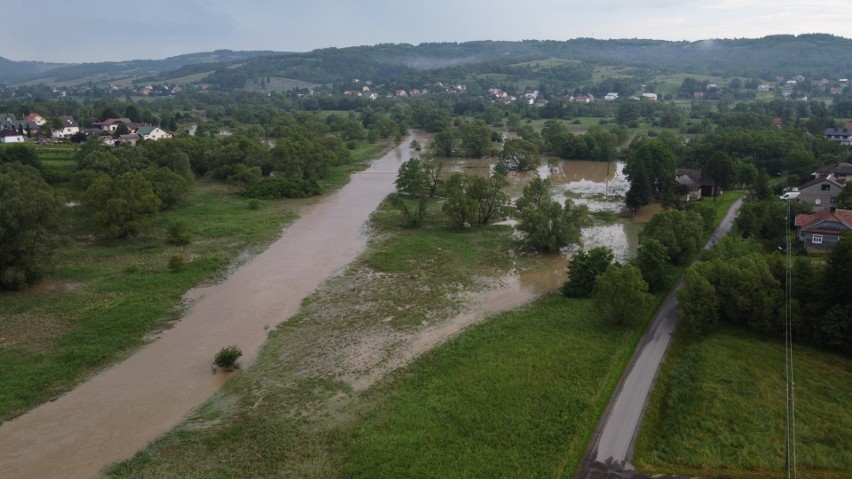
[
  {"x": 516, "y": 396},
  {"x": 718, "y": 410},
  {"x": 723, "y": 203},
  {"x": 103, "y": 297}
]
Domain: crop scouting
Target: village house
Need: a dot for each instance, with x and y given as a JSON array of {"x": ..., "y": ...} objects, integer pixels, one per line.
[
  {"x": 820, "y": 231},
  {"x": 695, "y": 185},
  {"x": 840, "y": 135},
  {"x": 152, "y": 133},
  {"x": 69, "y": 127},
  {"x": 37, "y": 119},
  {"x": 611, "y": 96},
  {"x": 11, "y": 136},
  {"x": 838, "y": 172},
  {"x": 822, "y": 193},
  {"x": 649, "y": 96}
]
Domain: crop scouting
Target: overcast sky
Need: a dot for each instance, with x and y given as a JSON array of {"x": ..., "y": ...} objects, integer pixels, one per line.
[{"x": 93, "y": 31}]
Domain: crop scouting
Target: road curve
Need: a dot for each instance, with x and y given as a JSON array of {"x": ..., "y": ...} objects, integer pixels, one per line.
[
  {"x": 120, "y": 410},
  {"x": 612, "y": 445}
]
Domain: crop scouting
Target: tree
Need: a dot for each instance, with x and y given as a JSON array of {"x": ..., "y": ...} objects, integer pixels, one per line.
[
  {"x": 459, "y": 208},
  {"x": 520, "y": 155},
  {"x": 650, "y": 168},
  {"x": 475, "y": 139},
  {"x": 722, "y": 170},
  {"x": 652, "y": 259},
  {"x": 547, "y": 225},
  {"x": 170, "y": 187},
  {"x": 444, "y": 143},
  {"x": 844, "y": 199},
  {"x": 488, "y": 194},
  {"x": 411, "y": 178},
  {"x": 121, "y": 207},
  {"x": 433, "y": 168},
  {"x": 30, "y": 215},
  {"x": 698, "y": 304},
  {"x": 621, "y": 295},
  {"x": 584, "y": 269},
  {"x": 681, "y": 232}
]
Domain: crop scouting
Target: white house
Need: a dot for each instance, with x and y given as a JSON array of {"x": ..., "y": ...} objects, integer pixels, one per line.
[
  {"x": 611, "y": 96},
  {"x": 649, "y": 96},
  {"x": 11, "y": 136},
  {"x": 152, "y": 133},
  {"x": 69, "y": 127}
]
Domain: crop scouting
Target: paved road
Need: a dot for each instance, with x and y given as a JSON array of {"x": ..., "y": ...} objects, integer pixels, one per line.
[{"x": 617, "y": 431}]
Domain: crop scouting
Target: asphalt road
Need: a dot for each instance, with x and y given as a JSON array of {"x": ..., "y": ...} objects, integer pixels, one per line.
[{"x": 617, "y": 432}]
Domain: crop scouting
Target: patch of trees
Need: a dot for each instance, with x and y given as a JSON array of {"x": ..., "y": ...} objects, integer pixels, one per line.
[
  {"x": 546, "y": 225},
  {"x": 30, "y": 219},
  {"x": 739, "y": 284},
  {"x": 650, "y": 168}
]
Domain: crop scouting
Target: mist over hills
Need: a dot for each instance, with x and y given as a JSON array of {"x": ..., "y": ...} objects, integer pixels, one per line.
[{"x": 814, "y": 55}]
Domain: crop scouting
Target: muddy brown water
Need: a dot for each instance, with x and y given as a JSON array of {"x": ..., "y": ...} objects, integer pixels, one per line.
[{"x": 120, "y": 410}]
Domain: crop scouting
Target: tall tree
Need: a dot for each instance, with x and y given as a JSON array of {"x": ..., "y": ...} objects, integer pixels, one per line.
[
  {"x": 721, "y": 170},
  {"x": 547, "y": 225},
  {"x": 621, "y": 295},
  {"x": 584, "y": 269}
]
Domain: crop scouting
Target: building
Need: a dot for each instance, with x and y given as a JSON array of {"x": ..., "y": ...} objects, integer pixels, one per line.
[
  {"x": 819, "y": 232},
  {"x": 838, "y": 172},
  {"x": 822, "y": 193},
  {"x": 69, "y": 127},
  {"x": 840, "y": 135},
  {"x": 11, "y": 136},
  {"x": 152, "y": 133}
]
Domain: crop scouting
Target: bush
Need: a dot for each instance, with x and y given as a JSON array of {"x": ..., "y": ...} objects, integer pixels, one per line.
[
  {"x": 227, "y": 357},
  {"x": 254, "y": 204},
  {"x": 177, "y": 264},
  {"x": 178, "y": 233}
]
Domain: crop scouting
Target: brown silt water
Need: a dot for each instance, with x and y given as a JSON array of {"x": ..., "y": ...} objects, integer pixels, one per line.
[{"x": 120, "y": 410}]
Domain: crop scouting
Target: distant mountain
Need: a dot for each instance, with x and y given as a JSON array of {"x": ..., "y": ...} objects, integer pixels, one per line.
[
  {"x": 12, "y": 71},
  {"x": 17, "y": 72},
  {"x": 814, "y": 55}
]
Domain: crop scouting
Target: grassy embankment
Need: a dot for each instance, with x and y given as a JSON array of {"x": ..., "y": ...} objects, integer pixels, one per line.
[
  {"x": 518, "y": 395},
  {"x": 719, "y": 410},
  {"x": 103, "y": 297}
]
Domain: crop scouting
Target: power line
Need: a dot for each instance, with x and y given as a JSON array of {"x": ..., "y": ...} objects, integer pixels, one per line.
[{"x": 790, "y": 459}]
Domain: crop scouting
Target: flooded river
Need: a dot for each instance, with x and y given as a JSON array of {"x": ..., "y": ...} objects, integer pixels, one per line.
[{"x": 117, "y": 412}]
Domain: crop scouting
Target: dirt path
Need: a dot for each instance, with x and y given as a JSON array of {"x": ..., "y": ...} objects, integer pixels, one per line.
[{"x": 119, "y": 411}]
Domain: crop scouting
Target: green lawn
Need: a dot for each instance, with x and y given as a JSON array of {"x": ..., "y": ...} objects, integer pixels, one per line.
[{"x": 718, "y": 410}]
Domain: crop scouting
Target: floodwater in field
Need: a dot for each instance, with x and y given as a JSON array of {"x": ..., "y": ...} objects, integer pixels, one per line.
[
  {"x": 118, "y": 411},
  {"x": 599, "y": 185}
]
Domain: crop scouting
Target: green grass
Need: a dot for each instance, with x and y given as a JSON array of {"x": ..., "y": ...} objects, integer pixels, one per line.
[
  {"x": 104, "y": 296},
  {"x": 723, "y": 203},
  {"x": 719, "y": 410},
  {"x": 517, "y": 396}
]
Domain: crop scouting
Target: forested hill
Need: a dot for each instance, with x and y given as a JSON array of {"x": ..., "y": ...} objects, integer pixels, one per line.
[
  {"x": 813, "y": 55},
  {"x": 11, "y": 71}
]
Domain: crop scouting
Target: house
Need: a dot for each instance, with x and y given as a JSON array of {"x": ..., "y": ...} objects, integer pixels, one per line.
[
  {"x": 840, "y": 135},
  {"x": 11, "y": 136},
  {"x": 698, "y": 94},
  {"x": 778, "y": 122},
  {"x": 694, "y": 184},
  {"x": 820, "y": 231},
  {"x": 37, "y": 119},
  {"x": 128, "y": 139},
  {"x": 763, "y": 88},
  {"x": 111, "y": 124},
  {"x": 649, "y": 96},
  {"x": 822, "y": 193},
  {"x": 838, "y": 172},
  {"x": 584, "y": 98},
  {"x": 611, "y": 96},
  {"x": 152, "y": 133},
  {"x": 69, "y": 127}
]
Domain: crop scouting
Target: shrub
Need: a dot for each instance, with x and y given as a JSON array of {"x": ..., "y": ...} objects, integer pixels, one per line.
[
  {"x": 274, "y": 188},
  {"x": 254, "y": 204},
  {"x": 177, "y": 264},
  {"x": 227, "y": 357},
  {"x": 178, "y": 233}
]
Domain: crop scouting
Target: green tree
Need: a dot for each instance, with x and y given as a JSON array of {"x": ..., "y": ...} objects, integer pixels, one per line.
[
  {"x": 411, "y": 178},
  {"x": 698, "y": 304},
  {"x": 121, "y": 207},
  {"x": 548, "y": 226},
  {"x": 460, "y": 209},
  {"x": 584, "y": 269},
  {"x": 621, "y": 295},
  {"x": 475, "y": 139},
  {"x": 681, "y": 232},
  {"x": 520, "y": 155},
  {"x": 445, "y": 143},
  {"x": 844, "y": 199},
  {"x": 433, "y": 167},
  {"x": 30, "y": 217},
  {"x": 721, "y": 170},
  {"x": 170, "y": 187},
  {"x": 652, "y": 259},
  {"x": 492, "y": 202}
]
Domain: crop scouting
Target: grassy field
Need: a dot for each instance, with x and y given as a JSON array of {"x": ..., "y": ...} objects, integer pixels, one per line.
[{"x": 719, "y": 410}]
